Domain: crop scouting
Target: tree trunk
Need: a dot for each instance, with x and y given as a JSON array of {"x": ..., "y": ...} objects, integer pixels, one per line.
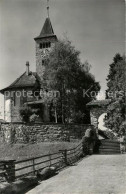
[{"x": 62, "y": 114}]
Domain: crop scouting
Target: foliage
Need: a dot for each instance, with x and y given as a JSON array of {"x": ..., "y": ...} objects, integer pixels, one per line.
[
  {"x": 25, "y": 113},
  {"x": 116, "y": 78},
  {"x": 29, "y": 114},
  {"x": 33, "y": 117},
  {"x": 65, "y": 73},
  {"x": 77, "y": 117},
  {"x": 116, "y": 87}
]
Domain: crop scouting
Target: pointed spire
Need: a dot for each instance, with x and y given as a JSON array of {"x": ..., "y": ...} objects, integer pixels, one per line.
[
  {"x": 48, "y": 8},
  {"x": 47, "y": 30}
]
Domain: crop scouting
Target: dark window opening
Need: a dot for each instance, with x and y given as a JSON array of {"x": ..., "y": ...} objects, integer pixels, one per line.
[
  {"x": 45, "y": 45},
  {"x": 40, "y": 46},
  {"x": 43, "y": 62}
]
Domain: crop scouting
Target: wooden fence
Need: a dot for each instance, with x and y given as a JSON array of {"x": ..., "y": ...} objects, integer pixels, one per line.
[{"x": 32, "y": 165}]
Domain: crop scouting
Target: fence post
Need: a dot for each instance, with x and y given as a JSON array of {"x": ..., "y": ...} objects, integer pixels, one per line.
[
  {"x": 64, "y": 152},
  {"x": 9, "y": 166},
  {"x": 75, "y": 154},
  {"x": 34, "y": 165},
  {"x": 65, "y": 156},
  {"x": 49, "y": 159}
]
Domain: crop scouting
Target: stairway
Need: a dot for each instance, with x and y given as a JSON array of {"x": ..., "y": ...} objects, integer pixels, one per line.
[{"x": 109, "y": 146}]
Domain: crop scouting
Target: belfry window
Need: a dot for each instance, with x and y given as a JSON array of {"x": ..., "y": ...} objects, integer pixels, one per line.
[
  {"x": 43, "y": 62},
  {"x": 45, "y": 45},
  {"x": 40, "y": 45}
]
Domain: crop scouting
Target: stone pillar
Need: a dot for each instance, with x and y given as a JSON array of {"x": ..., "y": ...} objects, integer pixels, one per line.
[
  {"x": 94, "y": 118},
  {"x": 9, "y": 167},
  {"x": 64, "y": 152}
]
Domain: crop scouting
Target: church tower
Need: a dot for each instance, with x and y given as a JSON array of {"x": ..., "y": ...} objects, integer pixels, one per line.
[{"x": 44, "y": 43}]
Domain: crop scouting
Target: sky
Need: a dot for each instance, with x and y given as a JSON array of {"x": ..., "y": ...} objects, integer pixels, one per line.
[{"x": 95, "y": 27}]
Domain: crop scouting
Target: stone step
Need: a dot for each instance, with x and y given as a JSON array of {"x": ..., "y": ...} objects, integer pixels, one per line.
[
  {"x": 110, "y": 144},
  {"x": 108, "y": 153},
  {"x": 109, "y": 148},
  {"x": 110, "y": 140}
]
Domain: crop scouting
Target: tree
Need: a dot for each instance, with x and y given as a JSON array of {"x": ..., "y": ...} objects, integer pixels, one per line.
[
  {"x": 29, "y": 114},
  {"x": 66, "y": 74},
  {"x": 116, "y": 83}
]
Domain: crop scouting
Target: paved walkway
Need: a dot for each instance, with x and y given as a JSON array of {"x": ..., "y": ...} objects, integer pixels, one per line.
[{"x": 97, "y": 174}]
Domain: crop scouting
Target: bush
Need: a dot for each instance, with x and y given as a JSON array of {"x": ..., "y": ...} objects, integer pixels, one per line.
[
  {"x": 25, "y": 113},
  {"x": 77, "y": 117},
  {"x": 29, "y": 114},
  {"x": 33, "y": 117}
]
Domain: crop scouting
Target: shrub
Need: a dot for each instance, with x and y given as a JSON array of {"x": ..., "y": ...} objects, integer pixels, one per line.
[
  {"x": 29, "y": 114},
  {"x": 77, "y": 117},
  {"x": 33, "y": 117},
  {"x": 25, "y": 113}
]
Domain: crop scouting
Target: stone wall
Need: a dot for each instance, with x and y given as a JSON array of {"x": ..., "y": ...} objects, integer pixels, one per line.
[{"x": 39, "y": 132}]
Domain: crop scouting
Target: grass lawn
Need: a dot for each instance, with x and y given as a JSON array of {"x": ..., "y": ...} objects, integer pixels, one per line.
[{"x": 22, "y": 151}]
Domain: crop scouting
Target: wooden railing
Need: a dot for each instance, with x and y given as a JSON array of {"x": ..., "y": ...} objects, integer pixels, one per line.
[{"x": 32, "y": 165}]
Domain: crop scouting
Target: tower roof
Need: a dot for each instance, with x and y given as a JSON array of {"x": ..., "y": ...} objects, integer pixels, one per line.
[{"x": 47, "y": 29}]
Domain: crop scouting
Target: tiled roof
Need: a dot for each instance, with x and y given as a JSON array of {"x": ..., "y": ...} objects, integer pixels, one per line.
[
  {"x": 99, "y": 102},
  {"x": 23, "y": 81}
]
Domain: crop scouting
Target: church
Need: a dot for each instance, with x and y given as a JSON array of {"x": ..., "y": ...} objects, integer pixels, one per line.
[{"x": 20, "y": 92}]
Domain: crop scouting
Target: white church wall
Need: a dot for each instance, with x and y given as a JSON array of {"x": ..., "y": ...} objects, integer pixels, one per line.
[{"x": 8, "y": 110}]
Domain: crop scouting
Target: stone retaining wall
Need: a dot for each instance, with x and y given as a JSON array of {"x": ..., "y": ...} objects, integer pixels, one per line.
[{"x": 39, "y": 132}]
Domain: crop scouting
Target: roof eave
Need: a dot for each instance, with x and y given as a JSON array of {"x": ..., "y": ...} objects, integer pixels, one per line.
[
  {"x": 16, "y": 87},
  {"x": 98, "y": 104},
  {"x": 45, "y": 36},
  {"x": 2, "y": 91}
]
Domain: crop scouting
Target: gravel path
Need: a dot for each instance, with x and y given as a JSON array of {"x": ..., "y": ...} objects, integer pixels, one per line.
[{"x": 97, "y": 174}]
